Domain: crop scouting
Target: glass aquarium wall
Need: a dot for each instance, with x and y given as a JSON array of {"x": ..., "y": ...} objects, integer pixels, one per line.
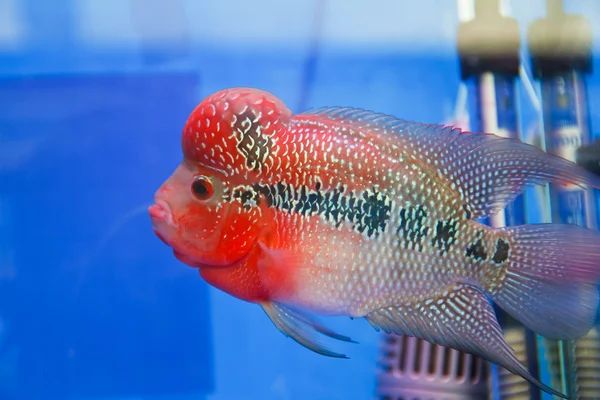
[{"x": 93, "y": 99}]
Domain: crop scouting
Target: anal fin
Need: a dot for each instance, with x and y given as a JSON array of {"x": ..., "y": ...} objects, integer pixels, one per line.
[
  {"x": 302, "y": 328},
  {"x": 459, "y": 317}
]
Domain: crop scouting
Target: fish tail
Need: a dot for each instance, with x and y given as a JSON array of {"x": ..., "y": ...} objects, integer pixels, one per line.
[{"x": 550, "y": 282}]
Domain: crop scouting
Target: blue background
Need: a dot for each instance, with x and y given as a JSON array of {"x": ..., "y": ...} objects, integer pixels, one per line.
[{"x": 93, "y": 97}]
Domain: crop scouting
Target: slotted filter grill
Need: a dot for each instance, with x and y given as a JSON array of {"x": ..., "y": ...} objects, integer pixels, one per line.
[
  {"x": 587, "y": 362},
  {"x": 414, "y": 369}
]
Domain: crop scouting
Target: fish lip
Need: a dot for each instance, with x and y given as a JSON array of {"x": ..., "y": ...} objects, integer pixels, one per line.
[{"x": 160, "y": 211}]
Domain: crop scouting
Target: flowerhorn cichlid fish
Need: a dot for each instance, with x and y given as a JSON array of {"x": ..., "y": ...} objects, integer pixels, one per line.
[{"x": 342, "y": 211}]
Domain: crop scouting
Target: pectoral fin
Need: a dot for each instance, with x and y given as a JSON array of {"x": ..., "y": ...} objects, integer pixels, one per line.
[
  {"x": 302, "y": 328},
  {"x": 278, "y": 270},
  {"x": 460, "y": 317}
]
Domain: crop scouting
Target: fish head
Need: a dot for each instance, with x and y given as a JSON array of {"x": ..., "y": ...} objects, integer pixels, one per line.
[{"x": 208, "y": 210}]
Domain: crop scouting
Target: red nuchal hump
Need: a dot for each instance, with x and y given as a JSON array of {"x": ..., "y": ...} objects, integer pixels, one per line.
[{"x": 234, "y": 129}]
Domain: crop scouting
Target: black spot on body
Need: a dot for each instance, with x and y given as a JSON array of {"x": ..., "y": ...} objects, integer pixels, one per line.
[
  {"x": 313, "y": 201},
  {"x": 477, "y": 251},
  {"x": 373, "y": 212},
  {"x": 247, "y": 196},
  {"x": 282, "y": 196},
  {"x": 345, "y": 210},
  {"x": 368, "y": 211},
  {"x": 252, "y": 143},
  {"x": 445, "y": 235},
  {"x": 501, "y": 254},
  {"x": 331, "y": 199},
  {"x": 412, "y": 227},
  {"x": 302, "y": 205},
  {"x": 266, "y": 193}
]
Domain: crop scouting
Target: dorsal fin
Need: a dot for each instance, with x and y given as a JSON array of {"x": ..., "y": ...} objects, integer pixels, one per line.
[{"x": 488, "y": 171}]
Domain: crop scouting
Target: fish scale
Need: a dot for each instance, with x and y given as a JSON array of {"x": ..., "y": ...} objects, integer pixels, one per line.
[
  {"x": 344, "y": 211},
  {"x": 422, "y": 275},
  {"x": 418, "y": 271}
]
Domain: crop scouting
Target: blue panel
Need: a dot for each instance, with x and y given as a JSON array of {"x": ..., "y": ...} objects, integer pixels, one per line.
[
  {"x": 388, "y": 82},
  {"x": 98, "y": 306}
]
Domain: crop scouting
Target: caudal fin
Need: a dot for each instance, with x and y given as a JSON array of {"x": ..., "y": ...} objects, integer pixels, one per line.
[{"x": 551, "y": 284}]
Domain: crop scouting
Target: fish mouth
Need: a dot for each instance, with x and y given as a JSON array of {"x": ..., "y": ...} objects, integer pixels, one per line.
[{"x": 160, "y": 212}]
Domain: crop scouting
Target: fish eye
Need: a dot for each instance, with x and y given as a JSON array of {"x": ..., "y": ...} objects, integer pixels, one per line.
[{"x": 202, "y": 188}]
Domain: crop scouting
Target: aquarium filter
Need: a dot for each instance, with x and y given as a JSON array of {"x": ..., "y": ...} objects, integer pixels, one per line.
[{"x": 414, "y": 369}]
